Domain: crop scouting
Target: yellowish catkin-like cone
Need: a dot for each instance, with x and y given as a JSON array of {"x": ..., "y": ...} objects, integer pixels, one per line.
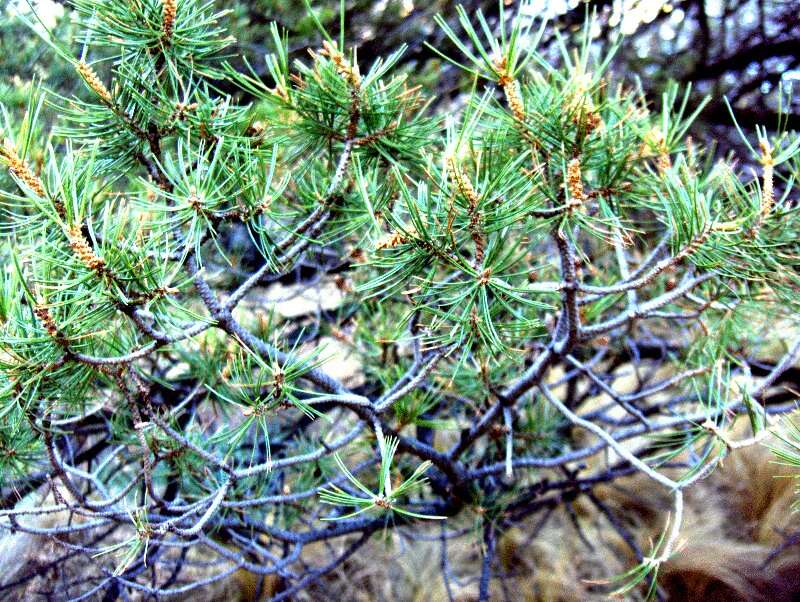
[
  {"x": 469, "y": 192},
  {"x": 19, "y": 169},
  {"x": 170, "y": 9},
  {"x": 768, "y": 186},
  {"x": 514, "y": 98},
  {"x": 90, "y": 77},
  {"x": 510, "y": 88},
  {"x": 83, "y": 250},
  {"x": 577, "y": 195},
  {"x": 462, "y": 182}
]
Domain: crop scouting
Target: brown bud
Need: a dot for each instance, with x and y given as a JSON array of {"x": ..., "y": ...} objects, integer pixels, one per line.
[
  {"x": 46, "y": 319},
  {"x": 343, "y": 67},
  {"x": 395, "y": 239},
  {"x": 169, "y": 10},
  {"x": 343, "y": 284}
]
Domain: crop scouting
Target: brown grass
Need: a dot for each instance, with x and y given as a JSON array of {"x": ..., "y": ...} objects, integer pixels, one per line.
[{"x": 734, "y": 520}]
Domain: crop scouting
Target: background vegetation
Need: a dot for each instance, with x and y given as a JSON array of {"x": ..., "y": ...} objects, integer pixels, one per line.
[{"x": 265, "y": 309}]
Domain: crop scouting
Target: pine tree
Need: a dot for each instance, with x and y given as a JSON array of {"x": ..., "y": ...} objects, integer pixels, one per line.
[{"x": 502, "y": 265}]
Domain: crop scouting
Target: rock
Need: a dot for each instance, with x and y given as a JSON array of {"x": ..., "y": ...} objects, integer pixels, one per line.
[
  {"x": 341, "y": 362},
  {"x": 297, "y": 300}
]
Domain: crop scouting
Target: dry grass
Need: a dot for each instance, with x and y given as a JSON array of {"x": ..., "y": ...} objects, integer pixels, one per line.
[{"x": 734, "y": 519}]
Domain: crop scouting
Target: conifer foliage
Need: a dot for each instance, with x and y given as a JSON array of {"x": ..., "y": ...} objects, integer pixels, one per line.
[{"x": 547, "y": 289}]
